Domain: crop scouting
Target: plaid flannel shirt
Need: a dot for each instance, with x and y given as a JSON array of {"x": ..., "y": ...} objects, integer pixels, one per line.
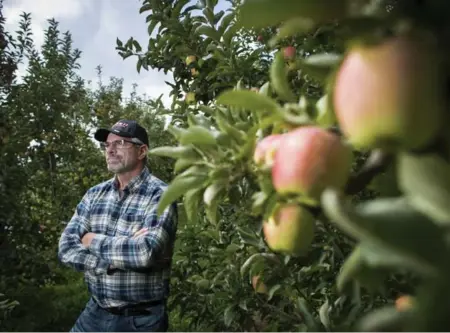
[{"x": 142, "y": 265}]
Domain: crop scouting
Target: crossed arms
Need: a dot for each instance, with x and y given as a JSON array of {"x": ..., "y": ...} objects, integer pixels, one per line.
[{"x": 86, "y": 251}]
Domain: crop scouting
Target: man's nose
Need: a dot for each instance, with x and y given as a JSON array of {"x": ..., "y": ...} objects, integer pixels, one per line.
[{"x": 111, "y": 149}]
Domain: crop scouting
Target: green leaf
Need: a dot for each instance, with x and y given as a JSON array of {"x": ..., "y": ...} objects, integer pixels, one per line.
[
  {"x": 255, "y": 258},
  {"x": 209, "y": 32},
  {"x": 209, "y": 14},
  {"x": 139, "y": 64},
  {"x": 325, "y": 116},
  {"x": 176, "y": 152},
  {"x": 264, "y": 13},
  {"x": 235, "y": 134},
  {"x": 364, "y": 266},
  {"x": 229, "y": 34},
  {"x": 271, "y": 205},
  {"x": 392, "y": 224},
  {"x": 258, "y": 202},
  {"x": 212, "y": 192},
  {"x": 212, "y": 234},
  {"x": 273, "y": 290},
  {"x": 220, "y": 173},
  {"x": 324, "y": 315},
  {"x": 248, "y": 236},
  {"x": 386, "y": 319},
  {"x": 279, "y": 80},
  {"x": 176, "y": 132},
  {"x": 199, "y": 120},
  {"x": 218, "y": 16},
  {"x": 307, "y": 315},
  {"x": 425, "y": 180},
  {"x": 192, "y": 200},
  {"x": 386, "y": 183},
  {"x": 198, "y": 135},
  {"x": 145, "y": 8},
  {"x": 350, "y": 268},
  {"x": 232, "y": 248},
  {"x": 265, "y": 89},
  {"x": 182, "y": 164},
  {"x": 290, "y": 28},
  {"x": 137, "y": 46},
  {"x": 248, "y": 100},
  {"x": 229, "y": 315},
  {"x": 212, "y": 212},
  {"x": 178, "y": 7},
  {"x": 207, "y": 110},
  {"x": 320, "y": 66},
  {"x": 177, "y": 188},
  {"x": 152, "y": 26},
  {"x": 226, "y": 20},
  {"x": 243, "y": 304},
  {"x": 202, "y": 284},
  {"x": 194, "y": 170}
]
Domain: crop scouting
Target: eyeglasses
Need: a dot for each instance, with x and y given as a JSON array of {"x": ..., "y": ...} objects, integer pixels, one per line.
[{"x": 119, "y": 144}]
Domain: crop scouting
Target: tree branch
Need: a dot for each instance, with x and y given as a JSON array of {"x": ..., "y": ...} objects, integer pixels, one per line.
[{"x": 377, "y": 162}]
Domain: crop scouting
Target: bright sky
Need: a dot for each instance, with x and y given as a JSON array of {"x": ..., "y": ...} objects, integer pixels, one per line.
[{"x": 95, "y": 25}]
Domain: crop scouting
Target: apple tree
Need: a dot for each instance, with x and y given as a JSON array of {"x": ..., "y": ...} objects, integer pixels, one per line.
[
  {"x": 266, "y": 173},
  {"x": 251, "y": 219}
]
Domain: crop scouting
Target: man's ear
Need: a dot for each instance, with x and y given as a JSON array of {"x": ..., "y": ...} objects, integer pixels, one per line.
[{"x": 144, "y": 152}]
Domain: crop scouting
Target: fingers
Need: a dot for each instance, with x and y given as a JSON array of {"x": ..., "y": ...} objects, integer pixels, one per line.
[{"x": 141, "y": 232}]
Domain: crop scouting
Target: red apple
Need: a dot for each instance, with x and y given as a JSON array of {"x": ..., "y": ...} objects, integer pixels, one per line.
[
  {"x": 404, "y": 303},
  {"x": 265, "y": 150},
  {"x": 290, "y": 230},
  {"x": 259, "y": 286},
  {"x": 389, "y": 95},
  {"x": 308, "y": 160},
  {"x": 289, "y": 52}
]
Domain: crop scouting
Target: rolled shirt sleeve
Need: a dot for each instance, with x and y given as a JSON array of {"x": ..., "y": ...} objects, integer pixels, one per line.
[{"x": 71, "y": 251}]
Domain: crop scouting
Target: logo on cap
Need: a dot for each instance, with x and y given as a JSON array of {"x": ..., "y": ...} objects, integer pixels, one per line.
[{"x": 120, "y": 124}]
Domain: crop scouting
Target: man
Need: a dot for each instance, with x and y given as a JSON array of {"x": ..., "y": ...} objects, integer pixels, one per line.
[{"x": 116, "y": 238}]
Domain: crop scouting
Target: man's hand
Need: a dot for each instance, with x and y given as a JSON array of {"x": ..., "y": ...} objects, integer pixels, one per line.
[
  {"x": 87, "y": 239},
  {"x": 141, "y": 232}
]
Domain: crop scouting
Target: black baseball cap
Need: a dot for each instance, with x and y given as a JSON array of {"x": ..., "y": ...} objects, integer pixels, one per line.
[{"x": 125, "y": 128}]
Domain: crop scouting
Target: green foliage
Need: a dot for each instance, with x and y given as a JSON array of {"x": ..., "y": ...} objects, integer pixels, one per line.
[{"x": 63, "y": 303}]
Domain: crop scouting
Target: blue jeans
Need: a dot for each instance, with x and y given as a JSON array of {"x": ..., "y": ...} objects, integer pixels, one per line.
[{"x": 95, "y": 319}]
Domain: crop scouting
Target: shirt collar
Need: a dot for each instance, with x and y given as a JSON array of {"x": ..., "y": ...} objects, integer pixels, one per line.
[{"x": 135, "y": 182}]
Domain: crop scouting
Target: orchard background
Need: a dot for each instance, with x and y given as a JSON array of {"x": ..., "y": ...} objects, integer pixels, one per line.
[{"x": 352, "y": 93}]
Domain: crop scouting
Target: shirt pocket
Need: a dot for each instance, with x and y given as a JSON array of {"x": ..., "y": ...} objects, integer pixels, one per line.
[{"x": 129, "y": 224}]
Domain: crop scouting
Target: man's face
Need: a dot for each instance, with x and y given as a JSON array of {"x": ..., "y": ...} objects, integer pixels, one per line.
[{"x": 121, "y": 159}]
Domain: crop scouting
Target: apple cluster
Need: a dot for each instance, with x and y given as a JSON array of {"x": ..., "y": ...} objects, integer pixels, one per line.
[
  {"x": 303, "y": 162},
  {"x": 385, "y": 95}
]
